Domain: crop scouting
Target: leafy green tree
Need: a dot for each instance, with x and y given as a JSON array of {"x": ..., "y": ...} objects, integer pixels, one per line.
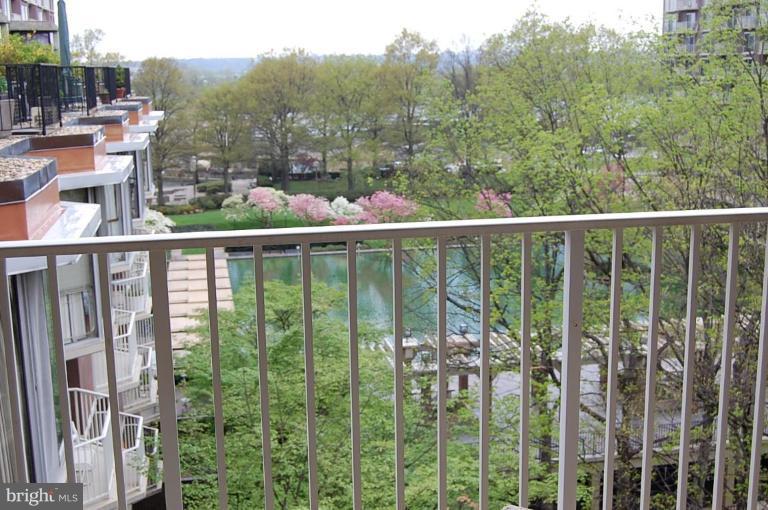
[
  {"x": 14, "y": 49},
  {"x": 224, "y": 129},
  {"x": 278, "y": 91},
  {"x": 84, "y": 48},
  {"x": 409, "y": 65},
  {"x": 345, "y": 85},
  {"x": 163, "y": 80}
]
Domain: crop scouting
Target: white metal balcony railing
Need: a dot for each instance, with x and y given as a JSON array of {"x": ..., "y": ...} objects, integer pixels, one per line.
[
  {"x": 91, "y": 443},
  {"x": 134, "y": 460},
  {"x": 130, "y": 289},
  {"x": 672, "y": 26},
  {"x": 568, "y": 458},
  {"x": 126, "y": 355},
  {"x": 145, "y": 331},
  {"x": 145, "y": 392},
  {"x": 78, "y": 314},
  {"x": 126, "y": 347},
  {"x": 152, "y": 456}
]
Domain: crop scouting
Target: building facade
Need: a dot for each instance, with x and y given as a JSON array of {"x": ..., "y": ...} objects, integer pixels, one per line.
[
  {"x": 688, "y": 21},
  {"x": 35, "y": 19},
  {"x": 87, "y": 176}
]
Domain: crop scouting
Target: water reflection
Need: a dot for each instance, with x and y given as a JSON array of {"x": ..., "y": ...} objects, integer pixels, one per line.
[{"x": 375, "y": 286}]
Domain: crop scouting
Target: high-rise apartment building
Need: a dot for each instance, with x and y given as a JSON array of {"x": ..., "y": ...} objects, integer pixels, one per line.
[
  {"x": 687, "y": 21},
  {"x": 35, "y": 19}
]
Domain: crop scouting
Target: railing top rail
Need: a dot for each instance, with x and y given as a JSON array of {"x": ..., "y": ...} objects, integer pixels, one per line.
[
  {"x": 96, "y": 440},
  {"x": 295, "y": 236},
  {"x": 137, "y": 422},
  {"x": 89, "y": 392}
]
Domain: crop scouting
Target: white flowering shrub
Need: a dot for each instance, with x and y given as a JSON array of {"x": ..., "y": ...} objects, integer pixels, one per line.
[{"x": 156, "y": 222}]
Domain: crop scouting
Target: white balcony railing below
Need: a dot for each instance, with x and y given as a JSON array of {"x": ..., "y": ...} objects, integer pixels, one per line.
[
  {"x": 130, "y": 289},
  {"x": 92, "y": 443}
]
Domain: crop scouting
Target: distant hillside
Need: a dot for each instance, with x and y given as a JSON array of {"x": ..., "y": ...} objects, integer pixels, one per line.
[{"x": 218, "y": 66}]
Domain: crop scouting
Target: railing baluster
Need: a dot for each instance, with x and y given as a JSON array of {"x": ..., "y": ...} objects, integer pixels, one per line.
[
  {"x": 261, "y": 339},
  {"x": 309, "y": 372},
  {"x": 485, "y": 367},
  {"x": 573, "y": 299},
  {"x": 650, "y": 373},
  {"x": 442, "y": 377},
  {"x": 397, "y": 311},
  {"x": 12, "y": 377},
  {"x": 731, "y": 289},
  {"x": 61, "y": 367},
  {"x": 694, "y": 267},
  {"x": 526, "y": 272},
  {"x": 759, "y": 407},
  {"x": 218, "y": 408},
  {"x": 114, "y": 402},
  {"x": 354, "y": 375},
  {"x": 166, "y": 388},
  {"x": 614, "y": 347}
]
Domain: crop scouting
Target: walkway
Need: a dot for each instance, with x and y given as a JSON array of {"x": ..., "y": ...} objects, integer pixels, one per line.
[{"x": 188, "y": 294}]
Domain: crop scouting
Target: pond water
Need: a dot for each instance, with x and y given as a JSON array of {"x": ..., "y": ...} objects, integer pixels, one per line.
[{"x": 374, "y": 275}]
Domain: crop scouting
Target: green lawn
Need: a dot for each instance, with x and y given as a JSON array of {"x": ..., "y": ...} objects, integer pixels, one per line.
[
  {"x": 216, "y": 220},
  {"x": 329, "y": 187}
]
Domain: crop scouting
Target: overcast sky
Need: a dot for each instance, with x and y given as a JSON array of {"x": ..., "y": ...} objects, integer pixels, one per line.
[{"x": 247, "y": 28}]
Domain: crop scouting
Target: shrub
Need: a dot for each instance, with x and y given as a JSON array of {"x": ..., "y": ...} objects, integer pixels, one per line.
[
  {"x": 211, "y": 187},
  {"x": 176, "y": 209},
  {"x": 209, "y": 202},
  {"x": 157, "y": 223},
  {"x": 309, "y": 207}
]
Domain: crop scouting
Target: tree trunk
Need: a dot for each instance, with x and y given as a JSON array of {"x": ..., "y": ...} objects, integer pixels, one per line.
[
  {"x": 323, "y": 164},
  {"x": 285, "y": 168},
  {"x": 159, "y": 186},
  {"x": 227, "y": 186},
  {"x": 350, "y": 175}
]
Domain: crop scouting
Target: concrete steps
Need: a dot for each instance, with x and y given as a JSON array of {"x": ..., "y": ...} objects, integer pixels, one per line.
[{"x": 188, "y": 294}]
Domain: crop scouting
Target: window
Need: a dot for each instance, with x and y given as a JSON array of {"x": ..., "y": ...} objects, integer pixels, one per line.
[{"x": 75, "y": 195}]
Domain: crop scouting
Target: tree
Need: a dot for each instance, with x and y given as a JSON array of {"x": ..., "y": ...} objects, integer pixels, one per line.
[
  {"x": 163, "y": 80},
  {"x": 224, "y": 128},
  {"x": 344, "y": 89},
  {"x": 409, "y": 65},
  {"x": 84, "y": 48},
  {"x": 279, "y": 91},
  {"x": 14, "y": 49}
]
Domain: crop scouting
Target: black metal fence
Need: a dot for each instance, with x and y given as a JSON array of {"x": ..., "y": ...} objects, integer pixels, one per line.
[
  {"x": 73, "y": 90},
  {"x": 33, "y": 97},
  {"x": 30, "y": 98},
  {"x": 124, "y": 80},
  {"x": 106, "y": 84},
  {"x": 91, "y": 91}
]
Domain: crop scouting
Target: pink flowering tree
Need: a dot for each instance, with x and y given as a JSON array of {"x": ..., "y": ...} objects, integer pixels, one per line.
[
  {"x": 267, "y": 202},
  {"x": 309, "y": 208},
  {"x": 494, "y": 204},
  {"x": 385, "y": 207}
]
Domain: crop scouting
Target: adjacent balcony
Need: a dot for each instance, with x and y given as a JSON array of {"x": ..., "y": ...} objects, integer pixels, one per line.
[
  {"x": 578, "y": 437},
  {"x": 130, "y": 288},
  {"x": 93, "y": 449},
  {"x": 143, "y": 395},
  {"x": 30, "y": 103},
  {"x": 680, "y": 5}
]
